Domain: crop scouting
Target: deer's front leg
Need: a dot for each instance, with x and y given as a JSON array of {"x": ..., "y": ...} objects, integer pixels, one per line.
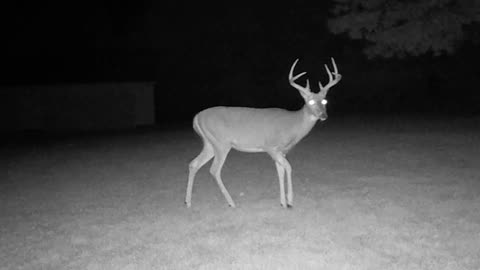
[
  {"x": 281, "y": 174},
  {"x": 288, "y": 170},
  {"x": 283, "y": 166}
]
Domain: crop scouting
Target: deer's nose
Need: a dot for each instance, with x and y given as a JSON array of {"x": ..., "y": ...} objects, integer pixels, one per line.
[{"x": 323, "y": 116}]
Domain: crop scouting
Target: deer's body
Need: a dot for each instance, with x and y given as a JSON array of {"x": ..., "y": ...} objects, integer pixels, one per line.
[
  {"x": 271, "y": 130},
  {"x": 269, "y": 122}
]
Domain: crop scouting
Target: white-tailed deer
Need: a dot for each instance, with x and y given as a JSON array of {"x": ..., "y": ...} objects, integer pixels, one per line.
[{"x": 271, "y": 130}]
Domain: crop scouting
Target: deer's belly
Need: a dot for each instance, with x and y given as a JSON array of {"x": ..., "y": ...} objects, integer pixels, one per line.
[
  {"x": 257, "y": 148},
  {"x": 246, "y": 148}
]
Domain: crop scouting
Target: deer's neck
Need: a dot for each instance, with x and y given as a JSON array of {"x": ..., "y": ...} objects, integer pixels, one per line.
[
  {"x": 303, "y": 122},
  {"x": 308, "y": 116},
  {"x": 307, "y": 122}
]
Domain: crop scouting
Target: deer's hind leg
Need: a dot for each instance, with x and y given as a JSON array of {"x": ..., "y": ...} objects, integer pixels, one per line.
[
  {"x": 202, "y": 158},
  {"x": 221, "y": 152}
]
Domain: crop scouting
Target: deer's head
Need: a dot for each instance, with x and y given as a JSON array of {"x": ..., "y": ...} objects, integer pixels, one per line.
[{"x": 315, "y": 103}]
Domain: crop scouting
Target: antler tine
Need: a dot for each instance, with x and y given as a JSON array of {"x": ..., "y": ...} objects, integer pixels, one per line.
[
  {"x": 333, "y": 77},
  {"x": 330, "y": 78},
  {"x": 292, "y": 79},
  {"x": 335, "y": 70},
  {"x": 297, "y": 76},
  {"x": 290, "y": 76}
]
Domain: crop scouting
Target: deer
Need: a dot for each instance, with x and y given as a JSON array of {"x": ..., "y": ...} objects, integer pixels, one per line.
[{"x": 274, "y": 131}]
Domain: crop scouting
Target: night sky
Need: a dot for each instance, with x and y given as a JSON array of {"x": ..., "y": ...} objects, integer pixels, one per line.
[{"x": 237, "y": 56}]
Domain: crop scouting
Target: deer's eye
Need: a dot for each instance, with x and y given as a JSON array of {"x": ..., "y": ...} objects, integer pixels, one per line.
[
  {"x": 324, "y": 101},
  {"x": 311, "y": 102}
]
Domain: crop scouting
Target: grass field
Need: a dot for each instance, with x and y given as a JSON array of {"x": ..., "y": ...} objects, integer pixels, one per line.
[{"x": 370, "y": 193}]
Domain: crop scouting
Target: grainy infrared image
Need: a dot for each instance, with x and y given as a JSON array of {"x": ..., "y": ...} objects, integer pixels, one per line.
[{"x": 154, "y": 136}]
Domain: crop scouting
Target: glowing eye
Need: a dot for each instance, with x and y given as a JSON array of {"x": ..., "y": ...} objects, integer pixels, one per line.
[
  {"x": 324, "y": 101},
  {"x": 312, "y": 102}
]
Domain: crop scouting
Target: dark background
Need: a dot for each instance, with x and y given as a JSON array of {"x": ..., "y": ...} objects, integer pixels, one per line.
[{"x": 238, "y": 56}]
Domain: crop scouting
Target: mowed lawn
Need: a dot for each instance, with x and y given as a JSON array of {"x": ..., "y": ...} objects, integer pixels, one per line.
[{"x": 370, "y": 193}]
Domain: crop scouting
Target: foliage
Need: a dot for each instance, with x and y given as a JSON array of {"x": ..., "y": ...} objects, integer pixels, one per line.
[{"x": 414, "y": 27}]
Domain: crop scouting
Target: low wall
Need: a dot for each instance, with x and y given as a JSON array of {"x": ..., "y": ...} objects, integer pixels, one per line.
[{"x": 77, "y": 106}]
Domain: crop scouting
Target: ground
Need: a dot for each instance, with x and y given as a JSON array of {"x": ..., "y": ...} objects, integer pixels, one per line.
[{"x": 370, "y": 193}]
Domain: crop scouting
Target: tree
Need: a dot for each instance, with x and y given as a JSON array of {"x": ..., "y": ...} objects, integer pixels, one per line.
[{"x": 411, "y": 27}]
